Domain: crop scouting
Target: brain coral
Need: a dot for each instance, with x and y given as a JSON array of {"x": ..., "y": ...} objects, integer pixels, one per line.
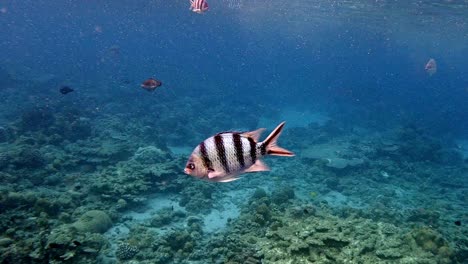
[{"x": 94, "y": 221}]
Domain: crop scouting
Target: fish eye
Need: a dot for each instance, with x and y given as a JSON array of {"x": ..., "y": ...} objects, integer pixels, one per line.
[{"x": 191, "y": 166}]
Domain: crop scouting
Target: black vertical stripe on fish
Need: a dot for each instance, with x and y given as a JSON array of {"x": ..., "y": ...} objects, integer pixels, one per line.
[
  {"x": 204, "y": 155},
  {"x": 236, "y": 138},
  {"x": 253, "y": 150},
  {"x": 221, "y": 151},
  {"x": 263, "y": 150}
]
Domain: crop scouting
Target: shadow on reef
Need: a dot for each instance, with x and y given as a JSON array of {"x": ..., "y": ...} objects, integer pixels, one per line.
[
  {"x": 55, "y": 125},
  {"x": 415, "y": 145}
]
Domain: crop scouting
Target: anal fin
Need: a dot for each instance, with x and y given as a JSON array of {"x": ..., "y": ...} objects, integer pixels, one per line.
[{"x": 257, "y": 166}]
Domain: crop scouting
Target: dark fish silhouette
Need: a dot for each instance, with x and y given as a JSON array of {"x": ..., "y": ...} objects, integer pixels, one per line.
[
  {"x": 65, "y": 90},
  {"x": 458, "y": 223},
  {"x": 151, "y": 84}
]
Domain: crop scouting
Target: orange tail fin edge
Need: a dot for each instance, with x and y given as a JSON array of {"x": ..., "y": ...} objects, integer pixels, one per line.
[{"x": 271, "y": 144}]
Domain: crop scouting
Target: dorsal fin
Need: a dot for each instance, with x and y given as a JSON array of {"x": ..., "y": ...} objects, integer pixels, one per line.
[
  {"x": 229, "y": 132},
  {"x": 255, "y": 135}
]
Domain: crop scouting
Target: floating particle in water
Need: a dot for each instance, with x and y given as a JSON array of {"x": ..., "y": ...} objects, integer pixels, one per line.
[
  {"x": 114, "y": 50},
  {"x": 3, "y": 10},
  {"x": 97, "y": 29},
  {"x": 234, "y": 4}
]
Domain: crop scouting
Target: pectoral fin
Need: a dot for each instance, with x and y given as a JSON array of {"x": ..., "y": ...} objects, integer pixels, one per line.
[{"x": 214, "y": 174}]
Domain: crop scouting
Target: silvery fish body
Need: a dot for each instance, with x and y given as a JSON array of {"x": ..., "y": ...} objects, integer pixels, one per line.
[{"x": 224, "y": 156}]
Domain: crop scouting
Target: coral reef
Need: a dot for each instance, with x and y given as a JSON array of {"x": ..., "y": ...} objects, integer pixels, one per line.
[
  {"x": 197, "y": 197},
  {"x": 37, "y": 119},
  {"x": 166, "y": 216},
  {"x": 67, "y": 175},
  {"x": 4, "y": 159},
  {"x": 414, "y": 145},
  {"x": 29, "y": 158},
  {"x": 65, "y": 243},
  {"x": 129, "y": 179},
  {"x": 126, "y": 251},
  {"x": 94, "y": 221},
  {"x": 3, "y": 134},
  {"x": 431, "y": 241},
  {"x": 282, "y": 196}
]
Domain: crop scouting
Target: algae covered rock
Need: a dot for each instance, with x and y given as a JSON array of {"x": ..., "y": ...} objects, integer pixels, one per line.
[
  {"x": 27, "y": 157},
  {"x": 150, "y": 155},
  {"x": 166, "y": 216},
  {"x": 259, "y": 194},
  {"x": 197, "y": 197},
  {"x": 94, "y": 221},
  {"x": 282, "y": 195},
  {"x": 430, "y": 240}
]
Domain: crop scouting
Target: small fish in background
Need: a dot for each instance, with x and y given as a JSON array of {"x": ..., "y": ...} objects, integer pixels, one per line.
[
  {"x": 431, "y": 67},
  {"x": 111, "y": 54},
  {"x": 114, "y": 50},
  {"x": 457, "y": 223},
  {"x": 125, "y": 81},
  {"x": 151, "y": 84},
  {"x": 97, "y": 29},
  {"x": 224, "y": 156},
  {"x": 198, "y": 6},
  {"x": 313, "y": 195},
  {"x": 65, "y": 90}
]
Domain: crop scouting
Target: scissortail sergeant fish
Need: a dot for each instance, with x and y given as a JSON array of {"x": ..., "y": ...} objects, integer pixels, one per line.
[
  {"x": 226, "y": 155},
  {"x": 198, "y": 6}
]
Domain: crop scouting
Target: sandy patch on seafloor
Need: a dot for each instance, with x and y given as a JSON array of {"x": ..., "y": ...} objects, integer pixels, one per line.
[
  {"x": 216, "y": 220},
  {"x": 181, "y": 151},
  {"x": 121, "y": 230}
]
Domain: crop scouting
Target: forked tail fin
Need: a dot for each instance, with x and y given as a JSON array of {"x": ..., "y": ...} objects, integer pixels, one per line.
[{"x": 271, "y": 146}]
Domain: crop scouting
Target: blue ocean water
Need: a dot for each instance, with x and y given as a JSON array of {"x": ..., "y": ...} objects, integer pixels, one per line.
[{"x": 96, "y": 175}]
